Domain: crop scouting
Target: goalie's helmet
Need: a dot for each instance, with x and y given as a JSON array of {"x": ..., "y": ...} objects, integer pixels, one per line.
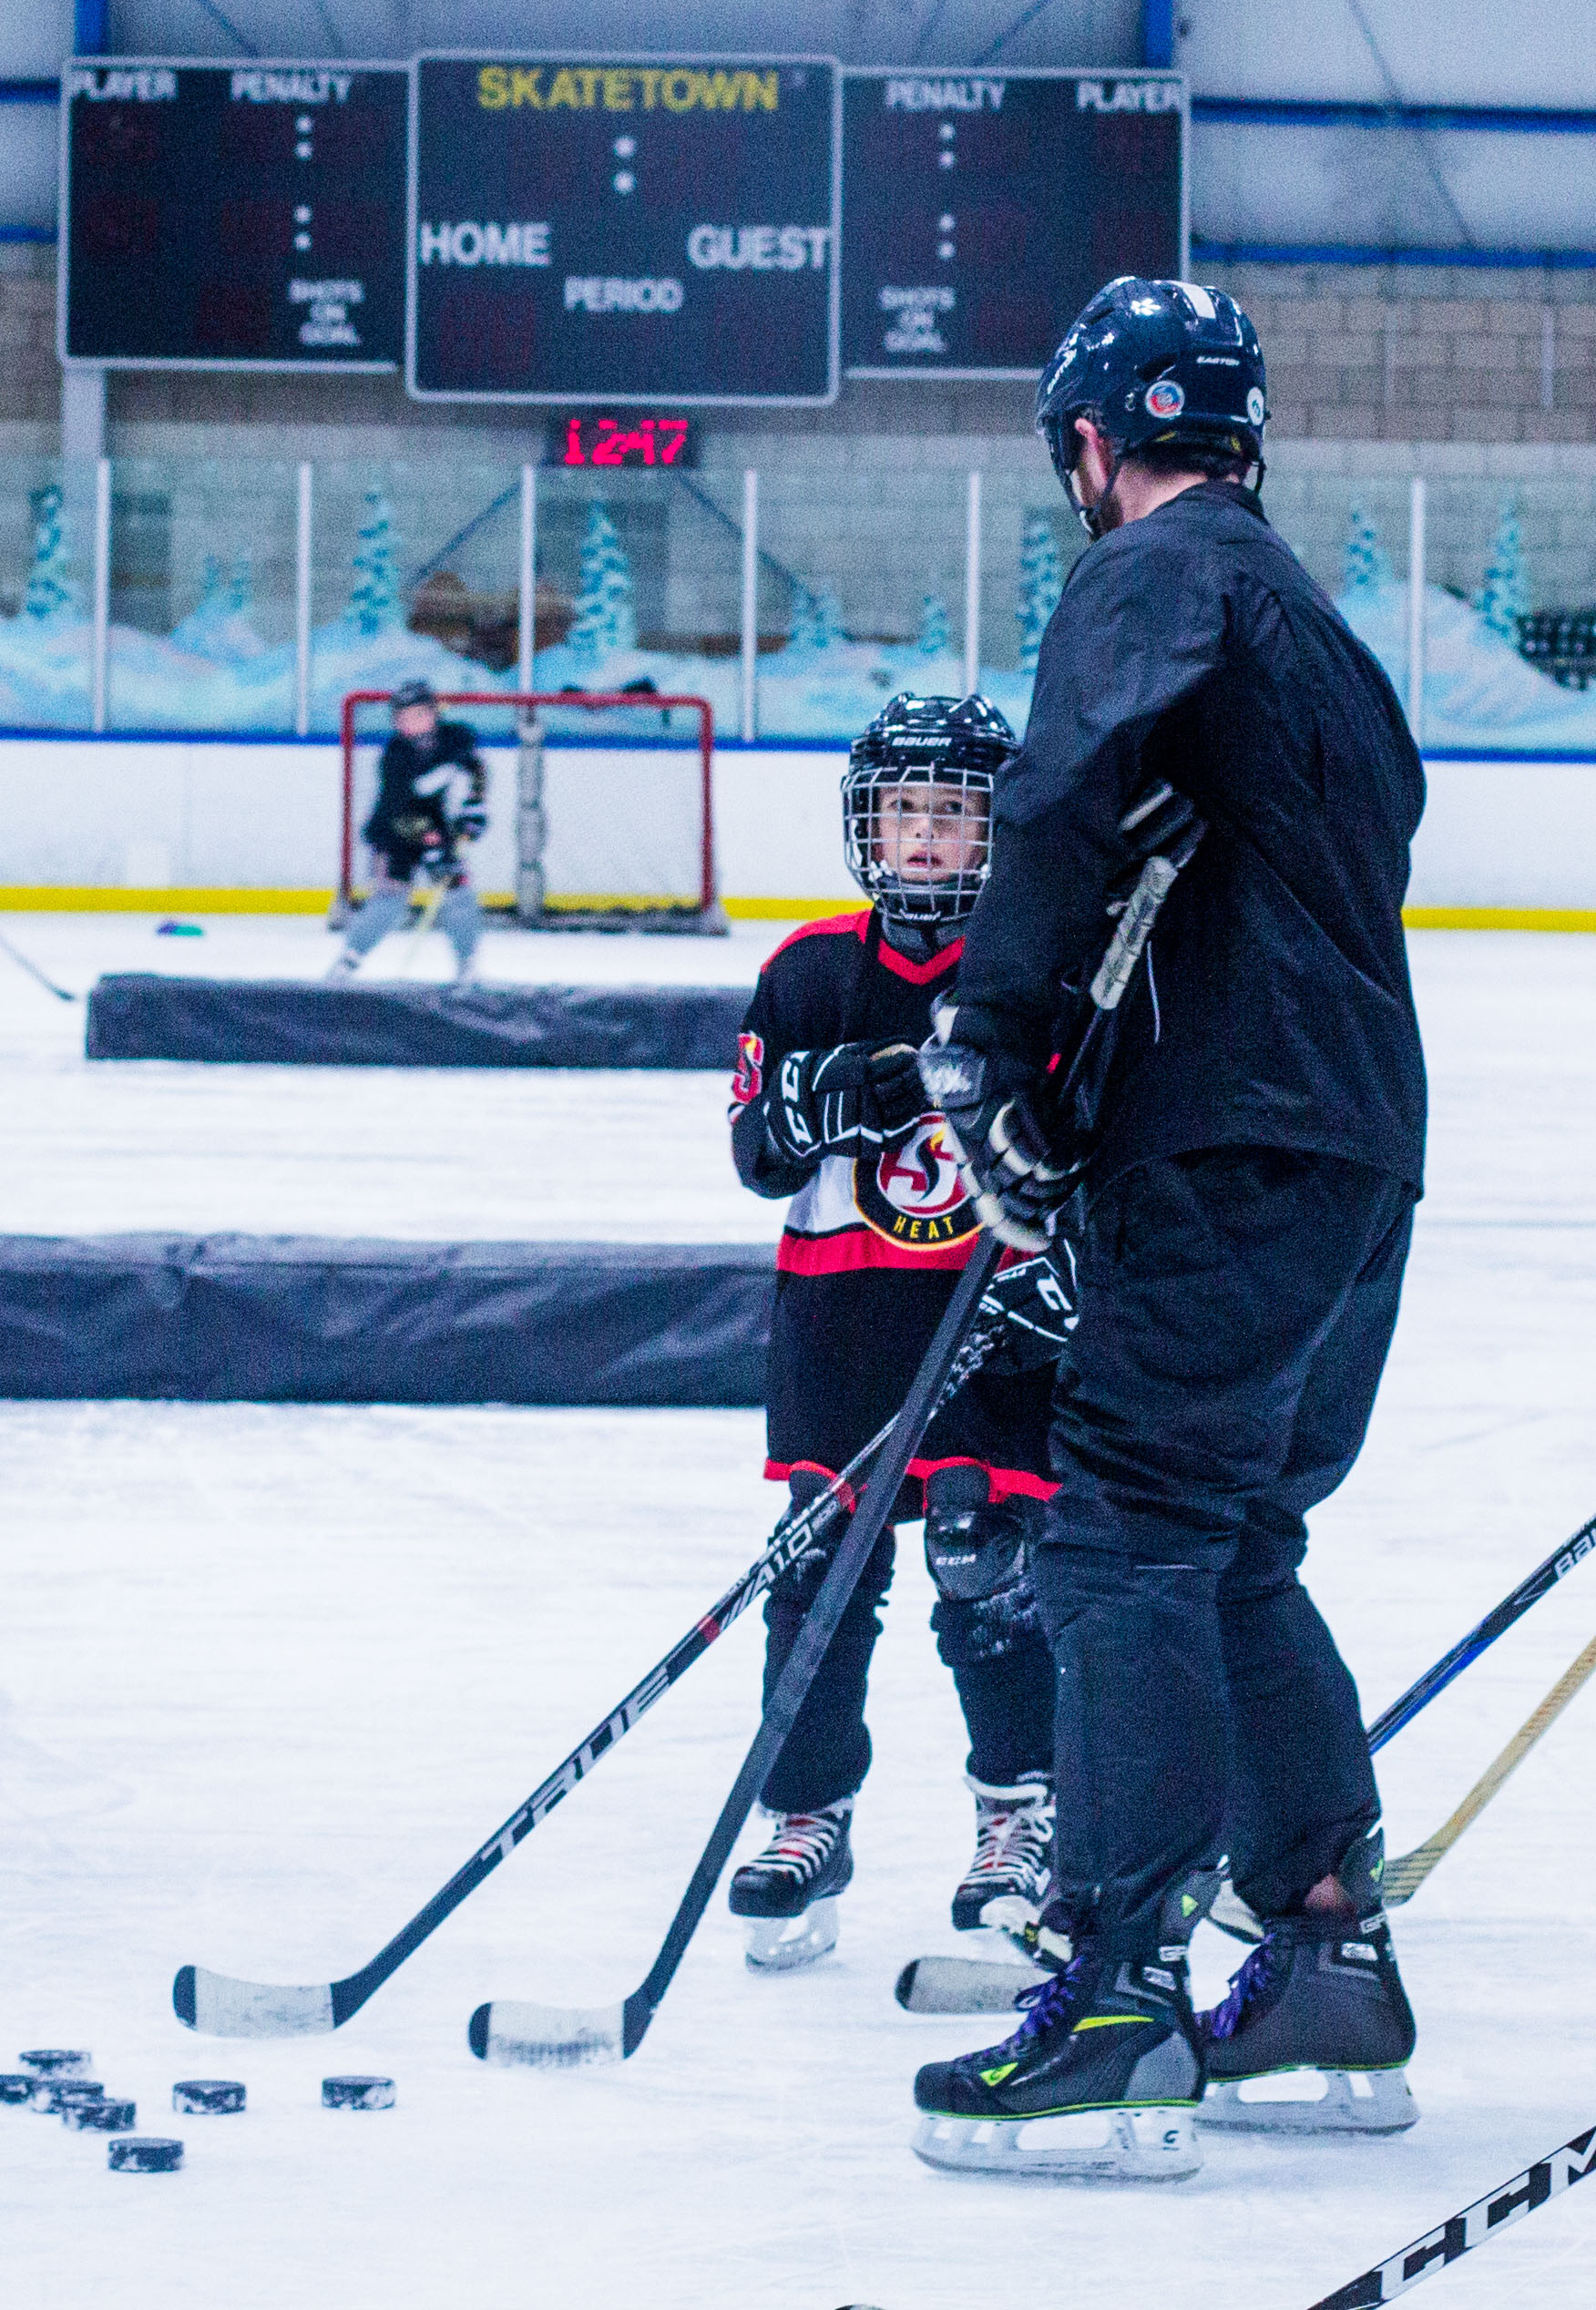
[
  {"x": 1156, "y": 362},
  {"x": 923, "y": 864},
  {"x": 413, "y": 694}
]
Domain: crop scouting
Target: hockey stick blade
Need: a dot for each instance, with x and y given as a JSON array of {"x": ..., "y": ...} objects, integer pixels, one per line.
[
  {"x": 1477, "y": 2225},
  {"x": 219, "y": 2007},
  {"x": 963, "y": 1985},
  {"x": 562, "y": 2037},
  {"x": 23, "y": 962}
]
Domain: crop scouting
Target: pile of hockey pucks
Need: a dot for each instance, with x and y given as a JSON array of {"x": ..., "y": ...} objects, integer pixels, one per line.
[
  {"x": 54, "y": 2080},
  {"x": 358, "y": 2093}
]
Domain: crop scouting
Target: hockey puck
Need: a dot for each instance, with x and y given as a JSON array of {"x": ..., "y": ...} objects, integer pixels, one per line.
[
  {"x": 52, "y": 2095},
  {"x": 15, "y": 2087},
  {"x": 357, "y": 2093},
  {"x": 144, "y": 2153},
  {"x": 55, "y": 2062},
  {"x": 99, "y": 2117},
  {"x": 207, "y": 2097}
]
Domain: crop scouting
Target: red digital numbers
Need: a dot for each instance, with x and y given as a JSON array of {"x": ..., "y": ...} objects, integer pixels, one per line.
[{"x": 606, "y": 440}]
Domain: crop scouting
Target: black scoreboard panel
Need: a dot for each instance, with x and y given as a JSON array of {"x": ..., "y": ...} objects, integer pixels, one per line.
[
  {"x": 623, "y": 230},
  {"x": 981, "y": 209},
  {"x": 220, "y": 216}
]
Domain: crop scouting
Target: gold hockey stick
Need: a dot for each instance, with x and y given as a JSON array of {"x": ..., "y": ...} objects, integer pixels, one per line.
[{"x": 1404, "y": 1874}]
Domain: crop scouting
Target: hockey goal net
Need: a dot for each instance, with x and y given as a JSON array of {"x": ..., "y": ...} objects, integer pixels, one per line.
[{"x": 600, "y": 805}]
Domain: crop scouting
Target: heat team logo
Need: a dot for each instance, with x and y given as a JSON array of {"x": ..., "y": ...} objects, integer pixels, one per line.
[{"x": 911, "y": 1193}]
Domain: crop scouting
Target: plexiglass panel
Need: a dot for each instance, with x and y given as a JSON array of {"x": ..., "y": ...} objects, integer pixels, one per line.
[{"x": 46, "y": 593}]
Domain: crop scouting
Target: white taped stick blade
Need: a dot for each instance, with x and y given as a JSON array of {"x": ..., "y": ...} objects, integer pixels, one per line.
[
  {"x": 963, "y": 1985},
  {"x": 547, "y": 2037},
  {"x": 1156, "y": 2144},
  {"x": 219, "y": 2007},
  {"x": 1310, "y": 2100}
]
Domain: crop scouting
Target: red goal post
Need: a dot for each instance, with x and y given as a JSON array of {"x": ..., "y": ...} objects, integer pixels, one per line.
[{"x": 525, "y": 704}]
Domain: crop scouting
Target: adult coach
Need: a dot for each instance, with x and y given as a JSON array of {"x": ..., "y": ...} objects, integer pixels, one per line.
[{"x": 1248, "y": 1205}]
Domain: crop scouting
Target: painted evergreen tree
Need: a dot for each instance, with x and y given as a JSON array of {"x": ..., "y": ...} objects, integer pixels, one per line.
[
  {"x": 1041, "y": 581},
  {"x": 1504, "y": 597},
  {"x": 935, "y": 633},
  {"x": 374, "y": 605},
  {"x": 51, "y": 597},
  {"x": 1364, "y": 565},
  {"x": 817, "y": 619},
  {"x": 607, "y": 619}
]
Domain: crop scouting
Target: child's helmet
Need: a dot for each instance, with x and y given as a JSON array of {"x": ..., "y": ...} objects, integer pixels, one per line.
[{"x": 956, "y": 742}]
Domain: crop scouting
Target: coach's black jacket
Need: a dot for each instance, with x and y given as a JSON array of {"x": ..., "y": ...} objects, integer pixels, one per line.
[{"x": 1192, "y": 645}]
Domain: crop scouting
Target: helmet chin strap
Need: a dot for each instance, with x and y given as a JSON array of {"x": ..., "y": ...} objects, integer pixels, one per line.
[{"x": 1091, "y": 518}]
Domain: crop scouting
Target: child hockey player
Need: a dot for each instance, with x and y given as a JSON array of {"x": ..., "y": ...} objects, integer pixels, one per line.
[
  {"x": 827, "y": 1108},
  {"x": 431, "y": 785}
]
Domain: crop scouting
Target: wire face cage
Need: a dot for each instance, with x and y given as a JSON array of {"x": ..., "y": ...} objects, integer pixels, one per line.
[{"x": 918, "y": 837}]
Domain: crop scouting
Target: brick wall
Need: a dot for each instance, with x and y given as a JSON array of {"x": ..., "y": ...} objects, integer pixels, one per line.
[
  {"x": 30, "y": 376},
  {"x": 1395, "y": 353}
]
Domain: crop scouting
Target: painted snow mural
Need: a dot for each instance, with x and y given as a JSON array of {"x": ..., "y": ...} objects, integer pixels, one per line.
[{"x": 215, "y": 672}]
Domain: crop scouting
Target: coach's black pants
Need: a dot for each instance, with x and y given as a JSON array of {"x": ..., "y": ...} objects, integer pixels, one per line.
[{"x": 1236, "y": 1306}]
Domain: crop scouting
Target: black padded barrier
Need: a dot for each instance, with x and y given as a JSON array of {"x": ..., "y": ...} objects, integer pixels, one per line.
[
  {"x": 316, "y": 1320},
  {"x": 295, "y": 1022}
]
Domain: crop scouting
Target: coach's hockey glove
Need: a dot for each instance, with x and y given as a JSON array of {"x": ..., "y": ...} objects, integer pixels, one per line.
[
  {"x": 992, "y": 1103},
  {"x": 845, "y": 1102},
  {"x": 1028, "y": 1313}
]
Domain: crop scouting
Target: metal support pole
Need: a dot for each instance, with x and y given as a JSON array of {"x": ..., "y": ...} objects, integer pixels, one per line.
[
  {"x": 527, "y": 622},
  {"x": 972, "y": 648},
  {"x": 302, "y": 603},
  {"x": 102, "y": 588},
  {"x": 750, "y": 604},
  {"x": 1416, "y": 513}
]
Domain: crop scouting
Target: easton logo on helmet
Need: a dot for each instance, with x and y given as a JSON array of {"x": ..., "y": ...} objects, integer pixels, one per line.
[
  {"x": 911, "y": 1193},
  {"x": 1165, "y": 398}
]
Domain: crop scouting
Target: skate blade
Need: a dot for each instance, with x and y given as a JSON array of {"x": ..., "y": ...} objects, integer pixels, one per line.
[
  {"x": 781, "y": 1945},
  {"x": 1311, "y": 2100},
  {"x": 1157, "y": 2144}
]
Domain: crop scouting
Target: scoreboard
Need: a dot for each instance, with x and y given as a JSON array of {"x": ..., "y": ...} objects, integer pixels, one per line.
[
  {"x": 984, "y": 208},
  {"x": 623, "y": 230},
  {"x": 654, "y": 232},
  {"x": 232, "y": 217}
]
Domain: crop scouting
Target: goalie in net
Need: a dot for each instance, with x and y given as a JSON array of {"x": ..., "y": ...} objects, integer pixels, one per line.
[{"x": 612, "y": 826}]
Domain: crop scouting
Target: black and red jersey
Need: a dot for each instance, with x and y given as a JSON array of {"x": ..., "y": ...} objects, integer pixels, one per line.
[{"x": 873, "y": 1245}]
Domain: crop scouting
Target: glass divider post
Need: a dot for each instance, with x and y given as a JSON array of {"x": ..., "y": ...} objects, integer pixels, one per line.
[
  {"x": 302, "y": 601},
  {"x": 750, "y": 601},
  {"x": 526, "y": 620},
  {"x": 1415, "y": 553},
  {"x": 102, "y": 591},
  {"x": 972, "y": 648}
]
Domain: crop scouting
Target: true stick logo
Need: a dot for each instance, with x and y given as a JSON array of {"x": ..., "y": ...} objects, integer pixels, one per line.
[{"x": 560, "y": 1785}]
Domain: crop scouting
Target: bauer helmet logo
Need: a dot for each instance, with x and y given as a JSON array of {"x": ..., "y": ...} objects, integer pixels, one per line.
[
  {"x": 911, "y": 1193},
  {"x": 1164, "y": 398},
  {"x": 1255, "y": 405}
]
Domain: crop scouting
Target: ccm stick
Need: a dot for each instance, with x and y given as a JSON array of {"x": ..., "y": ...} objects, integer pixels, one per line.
[
  {"x": 223, "y": 2007},
  {"x": 981, "y": 1985},
  {"x": 556, "y": 2036}
]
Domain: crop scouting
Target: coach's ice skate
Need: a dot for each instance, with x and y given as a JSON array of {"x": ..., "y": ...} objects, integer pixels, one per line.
[
  {"x": 1014, "y": 1848},
  {"x": 1100, "y": 2081},
  {"x": 1314, "y": 2033},
  {"x": 787, "y": 1893}
]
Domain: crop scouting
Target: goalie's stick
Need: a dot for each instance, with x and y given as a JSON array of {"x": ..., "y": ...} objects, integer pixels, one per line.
[
  {"x": 224, "y": 2007},
  {"x": 556, "y": 2036},
  {"x": 1404, "y": 1877},
  {"x": 1476, "y": 2225},
  {"x": 62, "y": 994}
]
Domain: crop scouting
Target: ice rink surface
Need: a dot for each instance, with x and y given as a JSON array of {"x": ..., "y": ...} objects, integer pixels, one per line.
[{"x": 270, "y": 1673}]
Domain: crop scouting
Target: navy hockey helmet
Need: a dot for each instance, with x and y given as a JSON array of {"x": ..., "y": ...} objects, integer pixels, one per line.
[
  {"x": 956, "y": 745},
  {"x": 413, "y": 694},
  {"x": 1155, "y": 363}
]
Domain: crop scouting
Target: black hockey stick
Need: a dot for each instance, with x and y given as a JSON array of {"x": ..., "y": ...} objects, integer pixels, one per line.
[
  {"x": 1486, "y": 2219},
  {"x": 558, "y": 2036},
  {"x": 224, "y": 2007},
  {"x": 62, "y": 994}
]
